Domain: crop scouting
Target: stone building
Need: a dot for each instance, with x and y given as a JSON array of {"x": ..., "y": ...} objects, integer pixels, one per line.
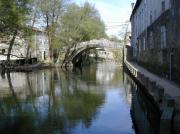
[
  {"x": 18, "y": 51},
  {"x": 156, "y": 36},
  {"x": 105, "y": 54},
  {"x": 39, "y": 47}
]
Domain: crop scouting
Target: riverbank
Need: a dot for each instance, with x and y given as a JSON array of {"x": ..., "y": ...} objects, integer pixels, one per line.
[
  {"x": 26, "y": 68},
  {"x": 164, "y": 93},
  {"x": 42, "y": 65}
]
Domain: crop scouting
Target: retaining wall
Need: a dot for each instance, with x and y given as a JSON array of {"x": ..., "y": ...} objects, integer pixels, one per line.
[{"x": 161, "y": 100}]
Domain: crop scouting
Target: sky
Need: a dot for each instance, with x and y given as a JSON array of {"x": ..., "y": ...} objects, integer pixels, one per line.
[{"x": 113, "y": 12}]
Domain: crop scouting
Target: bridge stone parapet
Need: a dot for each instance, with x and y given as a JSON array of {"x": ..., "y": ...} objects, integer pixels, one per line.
[
  {"x": 102, "y": 42},
  {"x": 79, "y": 48}
]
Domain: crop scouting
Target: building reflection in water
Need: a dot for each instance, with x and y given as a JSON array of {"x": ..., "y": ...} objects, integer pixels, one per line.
[
  {"x": 58, "y": 102},
  {"x": 65, "y": 102},
  {"x": 145, "y": 116},
  {"x": 45, "y": 102}
]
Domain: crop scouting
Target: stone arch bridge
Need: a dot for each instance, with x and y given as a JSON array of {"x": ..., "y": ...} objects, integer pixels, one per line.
[{"x": 75, "y": 53}]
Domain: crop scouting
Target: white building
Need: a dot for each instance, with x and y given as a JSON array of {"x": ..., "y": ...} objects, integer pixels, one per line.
[
  {"x": 18, "y": 51},
  {"x": 105, "y": 54},
  {"x": 156, "y": 36},
  {"x": 144, "y": 14},
  {"x": 39, "y": 47}
]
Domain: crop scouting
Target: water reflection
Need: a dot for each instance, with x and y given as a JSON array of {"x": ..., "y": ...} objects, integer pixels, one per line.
[
  {"x": 144, "y": 113},
  {"x": 88, "y": 101}
]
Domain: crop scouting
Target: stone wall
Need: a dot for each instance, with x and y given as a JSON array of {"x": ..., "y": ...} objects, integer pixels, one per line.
[
  {"x": 128, "y": 53},
  {"x": 163, "y": 119},
  {"x": 152, "y": 54}
]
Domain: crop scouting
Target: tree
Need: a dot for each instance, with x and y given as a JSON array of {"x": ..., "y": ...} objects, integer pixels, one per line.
[
  {"x": 32, "y": 19},
  {"x": 64, "y": 25},
  {"x": 81, "y": 24},
  {"x": 51, "y": 11},
  {"x": 13, "y": 19},
  {"x": 78, "y": 24},
  {"x": 92, "y": 26}
]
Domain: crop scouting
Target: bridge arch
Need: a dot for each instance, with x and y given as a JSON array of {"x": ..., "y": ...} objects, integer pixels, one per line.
[
  {"x": 77, "y": 56},
  {"x": 83, "y": 47}
]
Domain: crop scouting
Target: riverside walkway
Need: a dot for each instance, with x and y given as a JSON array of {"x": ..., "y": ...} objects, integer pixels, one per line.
[{"x": 170, "y": 88}]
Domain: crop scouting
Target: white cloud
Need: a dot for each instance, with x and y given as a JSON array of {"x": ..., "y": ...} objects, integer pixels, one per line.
[
  {"x": 113, "y": 18},
  {"x": 113, "y": 13}
]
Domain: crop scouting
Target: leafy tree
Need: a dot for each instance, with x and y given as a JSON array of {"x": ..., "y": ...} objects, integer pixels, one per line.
[
  {"x": 80, "y": 23},
  {"x": 13, "y": 19},
  {"x": 92, "y": 25},
  {"x": 32, "y": 19},
  {"x": 64, "y": 25},
  {"x": 51, "y": 11}
]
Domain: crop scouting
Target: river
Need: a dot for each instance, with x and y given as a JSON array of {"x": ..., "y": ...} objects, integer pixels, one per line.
[{"x": 94, "y": 100}]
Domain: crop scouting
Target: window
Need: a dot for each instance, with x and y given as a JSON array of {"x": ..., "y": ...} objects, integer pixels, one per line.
[
  {"x": 144, "y": 43},
  {"x": 151, "y": 17},
  {"x": 151, "y": 40},
  {"x": 139, "y": 45},
  {"x": 155, "y": 15},
  {"x": 3, "y": 51},
  {"x": 163, "y": 6},
  {"x": 161, "y": 57},
  {"x": 44, "y": 55},
  {"x": 163, "y": 37}
]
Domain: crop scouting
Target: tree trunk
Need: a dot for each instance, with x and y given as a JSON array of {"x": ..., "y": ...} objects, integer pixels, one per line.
[
  {"x": 59, "y": 57},
  {"x": 66, "y": 57},
  {"x": 49, "y": 36},
  {"x": 50, "y": 46},
  {"x": 27, "y": 53},
  {"x": 11, "y": 45},
  {"x": 14, "y": 95}
]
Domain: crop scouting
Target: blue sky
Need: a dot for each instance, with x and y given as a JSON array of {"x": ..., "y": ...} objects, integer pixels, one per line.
[{"x": 113, "y": 12}]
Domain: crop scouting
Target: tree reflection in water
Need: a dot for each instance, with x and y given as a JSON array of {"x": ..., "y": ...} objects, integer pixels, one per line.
[
  {"x": 144, "y": 113},
  {"x": 89, "y": 101},
  {"x": 50, "y": 102}
]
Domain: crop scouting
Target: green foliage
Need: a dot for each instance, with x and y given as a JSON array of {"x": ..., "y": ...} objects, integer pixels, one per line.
[
  {"x": 81, "y": 24},
  {"x": 65, "y": 25},
  {"x": 118, "y": 54},
  {"x": 50, "y": 11},
  {"x": 13, "y": 19},
  {"x": 13, "y": 15}
]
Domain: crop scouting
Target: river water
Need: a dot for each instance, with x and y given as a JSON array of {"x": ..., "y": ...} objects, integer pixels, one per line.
[{"x": 94, "y": 100}]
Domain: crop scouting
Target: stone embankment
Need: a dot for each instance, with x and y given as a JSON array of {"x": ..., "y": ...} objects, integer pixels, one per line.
[
  {"x": 25, "y": 68},
  {"x": 23, "y": 65},
  {"x": 164, "y": 93}
]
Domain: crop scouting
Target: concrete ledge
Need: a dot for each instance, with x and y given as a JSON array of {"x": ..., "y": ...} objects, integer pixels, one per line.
[
  {"x": 165, "y": 103},
  {"x": 166, "y": 121}
]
